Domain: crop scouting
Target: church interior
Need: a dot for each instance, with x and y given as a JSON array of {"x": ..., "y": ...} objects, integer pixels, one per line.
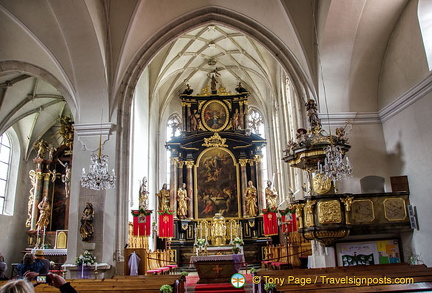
[{"x": 143, "y": 138}]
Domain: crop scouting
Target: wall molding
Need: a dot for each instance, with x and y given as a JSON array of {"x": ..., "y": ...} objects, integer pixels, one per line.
[{"x": 407, "y": 99}]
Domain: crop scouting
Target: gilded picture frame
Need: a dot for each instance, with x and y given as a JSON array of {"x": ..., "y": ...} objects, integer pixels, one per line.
[
  {"x": 215, "y": 115},
  {"x": 217, "y": 184}
]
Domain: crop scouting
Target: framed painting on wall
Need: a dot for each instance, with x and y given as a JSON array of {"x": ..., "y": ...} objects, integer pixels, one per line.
[
  {"x": 215, "y": 115},
  {"x": 368, "y": 252},
  {"x": 216, "y": 189}
]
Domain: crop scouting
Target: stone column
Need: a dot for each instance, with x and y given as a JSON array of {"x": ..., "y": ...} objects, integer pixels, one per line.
[
  {"x": 260, "y": 195},
  {"x": 173, "y": 183},
  {"x": 189, "y": 187},
  {"x": 322, "y": 257},
  {"x": 243, "y": 182}
]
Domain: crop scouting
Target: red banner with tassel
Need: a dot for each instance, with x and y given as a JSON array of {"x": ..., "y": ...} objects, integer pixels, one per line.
[
  {"x": 141, "y": 222},
  {"x": 289, "y": 221},
  {"x": 166, "y": 224},
  {"x": 270, "y": 222}
]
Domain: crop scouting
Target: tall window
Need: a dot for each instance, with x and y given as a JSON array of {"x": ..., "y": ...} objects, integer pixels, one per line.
[
  {"x": 256, "y": 125},
  {"x": 5, "y": 161},
  {"x": 173, "y": 129}
]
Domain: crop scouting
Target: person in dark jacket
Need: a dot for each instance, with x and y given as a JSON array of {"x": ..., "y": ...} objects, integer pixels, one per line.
[
  {"x": 28, "y": 264},
  {"x": 39, "y": 257}
]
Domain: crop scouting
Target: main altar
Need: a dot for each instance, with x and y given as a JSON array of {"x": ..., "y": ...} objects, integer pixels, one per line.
[{"x": 216, "y": 182}]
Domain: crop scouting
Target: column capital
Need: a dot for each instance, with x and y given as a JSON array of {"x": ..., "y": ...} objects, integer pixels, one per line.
[
  {"x": 243, "y": 162},
  {"x": 175, "y": 161},
  {"x": 189, "y": 164}
]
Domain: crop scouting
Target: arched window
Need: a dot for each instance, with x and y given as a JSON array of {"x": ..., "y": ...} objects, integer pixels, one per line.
[
  {"x": 256, "y": 122},
  {"x": 173, "y": 126},
  {"x": 173, "y": 129},
  {"x": 5, "y": 163},
  {"x": 424, "y": 12}
]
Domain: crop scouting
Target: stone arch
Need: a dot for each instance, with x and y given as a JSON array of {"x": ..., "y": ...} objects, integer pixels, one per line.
[{"x": 187, "y": 22}]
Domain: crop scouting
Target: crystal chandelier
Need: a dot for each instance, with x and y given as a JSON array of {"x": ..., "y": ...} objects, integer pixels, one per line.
[
  {"x": 336, "y": 165},
  {"x": 98, "y": 177}
]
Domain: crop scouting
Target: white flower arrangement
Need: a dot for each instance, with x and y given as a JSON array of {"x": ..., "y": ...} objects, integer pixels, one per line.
[
  {"x": 85, "y": 259},
  {"x": 238, "y": 241},
  {"x": 200, "y": 242}
]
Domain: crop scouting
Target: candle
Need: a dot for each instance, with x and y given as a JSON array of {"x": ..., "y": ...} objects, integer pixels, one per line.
[{"x": 95, "y": 266}]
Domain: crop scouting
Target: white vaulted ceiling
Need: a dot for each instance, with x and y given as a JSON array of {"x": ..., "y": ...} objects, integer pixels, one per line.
[{"x": 234, "y": 55}]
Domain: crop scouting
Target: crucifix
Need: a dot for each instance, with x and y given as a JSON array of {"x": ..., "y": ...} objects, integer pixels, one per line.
[{"x": 217, "y": 269}]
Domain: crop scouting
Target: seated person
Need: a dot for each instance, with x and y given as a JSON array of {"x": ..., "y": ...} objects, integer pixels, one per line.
[
  {"x": 28, "y": 264},
  {"x": 39, "y": 257},
  {"x": 3, "y": 268}
]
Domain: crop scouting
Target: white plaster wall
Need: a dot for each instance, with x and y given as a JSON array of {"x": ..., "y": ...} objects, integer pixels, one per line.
[
  {"x": 409, "y": 139},
  {"x": 367, "y": 156},
  {"x": 405, "y": 61}
]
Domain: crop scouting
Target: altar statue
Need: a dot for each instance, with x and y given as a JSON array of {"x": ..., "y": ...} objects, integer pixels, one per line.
[
  {"x": 182, "y": 199},
  {"x": 86, "y": 229},
  {"x": 218, "y": 230},
  {"x": 143, "y": 194},
  {"x": 251, "y": 199},
  {"x": 164, "y": 198},
  {"x": 271, "y": 195},
  {"x": 44, "y": 207}
]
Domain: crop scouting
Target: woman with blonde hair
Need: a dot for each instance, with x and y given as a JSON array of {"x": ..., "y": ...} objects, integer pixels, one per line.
[{"x": 17, "y": 286}]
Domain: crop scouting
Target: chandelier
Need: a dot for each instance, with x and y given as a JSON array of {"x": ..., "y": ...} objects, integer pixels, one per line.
[
  {"x": 336, "y": 165},
  {"x": 98, "y": 177}
]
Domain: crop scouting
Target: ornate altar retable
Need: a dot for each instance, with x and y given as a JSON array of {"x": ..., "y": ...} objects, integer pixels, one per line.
[{"x": 217, "y": 268}]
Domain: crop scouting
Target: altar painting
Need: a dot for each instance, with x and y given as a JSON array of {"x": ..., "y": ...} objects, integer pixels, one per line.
[{"x": 216, "y": 190}]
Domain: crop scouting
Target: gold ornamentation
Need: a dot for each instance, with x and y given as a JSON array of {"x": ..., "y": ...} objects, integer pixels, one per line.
[
  {"x": 326, "y": 237},
  {"x": 309, "y": 213},
  {"x": 215, "y": 141},
  {"x": 347, "y": 202},
  {"x": 329, "y": 212},
  {"x": 174, "y": 161},
  {"x": 189, "y": 164},
  {"x": 215, "y": 115},
  {"x": 321, "y": 185},
  {"x": 362, "y": 211},
  {"x": 395, "y": 209},
  {"x": 243, "y": 162},
  {"x": 299, "y": 214}
]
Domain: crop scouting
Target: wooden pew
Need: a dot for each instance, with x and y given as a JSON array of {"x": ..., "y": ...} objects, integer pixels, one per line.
[
  {"x": 347, "y": 279},
  {"x": 145, "y": 284}
]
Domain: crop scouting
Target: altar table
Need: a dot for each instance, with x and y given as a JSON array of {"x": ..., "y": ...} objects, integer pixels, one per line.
[{"x": 217, "y": 268}]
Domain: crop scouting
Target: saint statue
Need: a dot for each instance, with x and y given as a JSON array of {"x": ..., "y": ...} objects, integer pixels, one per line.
[
  {"x": 164, "y": 198},
  {"x": 86, "y": 229},
  {"x": 312, "y": 110},
  {"x": 143, "y": 194},
  {"x": 44, "y": 207},
  {"x": 251, "y": 199},
  {"x": 66, "y": 177},
  {"x": 236, "y": 120},
  {"x": 218, "y": 230},
  {"x": 182, "y": 199},
  {"x": 271, "y": 195}
]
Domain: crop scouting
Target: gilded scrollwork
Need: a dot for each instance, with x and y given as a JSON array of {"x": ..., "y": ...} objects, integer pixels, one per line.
[{"x": 329, "y": 212}]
